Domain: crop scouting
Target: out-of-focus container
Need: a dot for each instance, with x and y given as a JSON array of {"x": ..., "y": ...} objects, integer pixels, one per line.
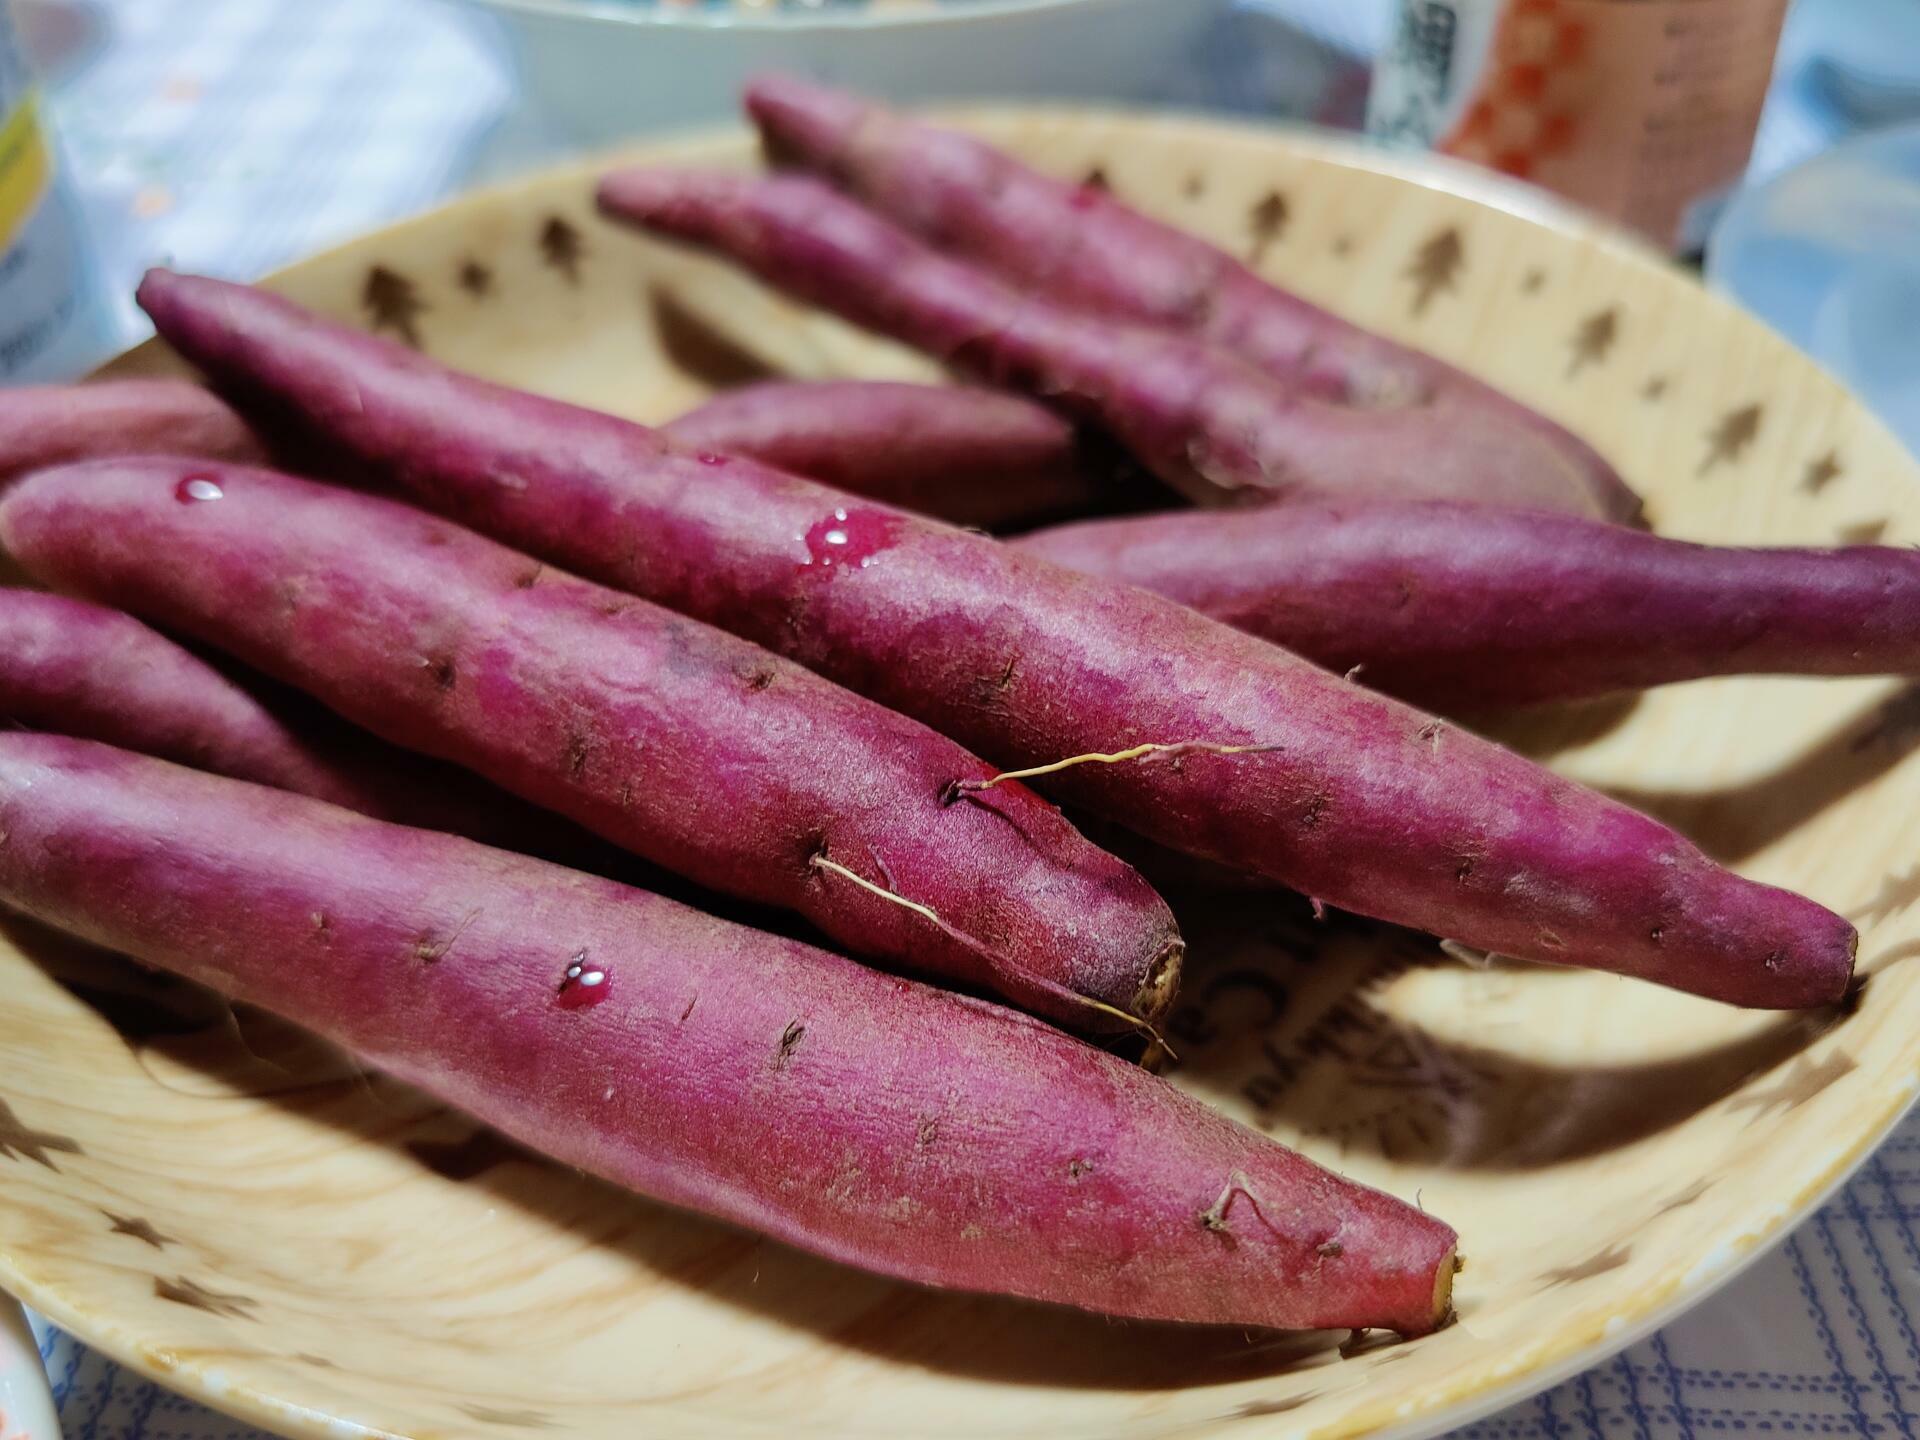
[
  {"x": 1643, "y": 110},
  {"x": 607, "y": 69},
  {"x": 1828, "y": 253},
  {"x": 26, "y": 1407},
  {"x": 53, "y": 324}
]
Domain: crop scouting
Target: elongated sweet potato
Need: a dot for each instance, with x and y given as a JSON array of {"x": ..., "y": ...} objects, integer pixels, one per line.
[
  {"x": 880, "y": 1122},
  {"x": 1348, "y": 796},
  {"x": 1080, "y": 246},
  {"x": 698, "y": 751},
  {"x": 1467, "y": 606},
  {"x": 1203, "y": 419},
  {"x": 82, "y": 670},
  {"x": 43, "y": 425},
  {"x": 974, "y": 457}
]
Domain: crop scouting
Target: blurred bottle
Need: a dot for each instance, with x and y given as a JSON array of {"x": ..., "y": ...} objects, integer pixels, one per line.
[
  {"x": 1643, "y": 110},
  {"x": 1825, "y": 254},
  {"x": 53, "y": 324}
]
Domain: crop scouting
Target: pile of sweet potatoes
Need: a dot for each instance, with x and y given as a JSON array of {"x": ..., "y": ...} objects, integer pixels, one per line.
[{"x": 750, "y": 651}]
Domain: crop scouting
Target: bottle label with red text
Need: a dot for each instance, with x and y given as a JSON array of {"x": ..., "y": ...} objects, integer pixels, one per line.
[{"x": 1643, "y": 110}]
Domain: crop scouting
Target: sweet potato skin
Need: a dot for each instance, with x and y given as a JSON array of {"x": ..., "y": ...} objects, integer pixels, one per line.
[
  {"x": 972, "y": 457},
  {"x": 1468, "y": 607},
  {"x": 1081, "y": 246},
  {"x": 696, "y": 750},
  {"x": 83, "y": 670},
  {"x": 713, "y": 1067},
  {"x": 1356, "y": 799},
  {"x": 42, "y": 425},
  {"x": 1202, "y": 419}
]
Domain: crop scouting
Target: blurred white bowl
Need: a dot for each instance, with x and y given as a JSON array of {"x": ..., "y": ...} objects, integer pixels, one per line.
[{"x": 605, "y": 70}]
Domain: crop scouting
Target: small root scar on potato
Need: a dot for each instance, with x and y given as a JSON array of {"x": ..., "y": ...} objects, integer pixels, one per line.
[
  {"x": 1214, "y": 1217},
  {"x": 789, "y": 1042},
  {"x": 429, "y": 949}
]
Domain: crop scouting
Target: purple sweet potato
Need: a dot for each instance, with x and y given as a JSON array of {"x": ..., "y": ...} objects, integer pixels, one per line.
[
  {"x": 1081, "y": 247},
  {"x": 1203, "y": 419},
  {"x": 1349, "y": 796},
  {"x": 974, "y": 457},
  {"x": 81, "y": 670},
  {"x": 1468, "y": 607},
  {"x": 43, "y": 425},
  {"x": 880, "y": 1122},
  {"x": 698, "y": 751}
]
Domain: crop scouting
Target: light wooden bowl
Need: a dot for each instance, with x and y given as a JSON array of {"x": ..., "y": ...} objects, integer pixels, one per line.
[{"x": 231, "y": 1209}]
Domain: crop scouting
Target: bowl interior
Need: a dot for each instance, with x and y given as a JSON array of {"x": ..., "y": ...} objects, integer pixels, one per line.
[{"x": 233, "y": 1208}]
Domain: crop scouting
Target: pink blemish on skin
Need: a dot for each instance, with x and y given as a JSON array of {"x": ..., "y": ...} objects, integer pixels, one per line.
[
  {"x": 849, "y": 539},
  {"x": 707, "y": 457},
  {"x": 584, "y": 985},
  {"x": 197, "y": 487},
  {"x": 1085, "y": 197}
]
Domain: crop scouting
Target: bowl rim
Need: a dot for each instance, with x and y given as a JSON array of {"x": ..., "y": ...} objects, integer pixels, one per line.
[{"x": 773, "y": 20}]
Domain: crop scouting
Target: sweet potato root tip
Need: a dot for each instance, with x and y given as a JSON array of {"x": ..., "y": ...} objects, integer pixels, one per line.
[{"x": 1441, "y": 1314}]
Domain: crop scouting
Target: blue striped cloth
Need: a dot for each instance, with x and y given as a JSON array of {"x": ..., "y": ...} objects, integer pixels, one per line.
[{"x": 229, "y": 136}]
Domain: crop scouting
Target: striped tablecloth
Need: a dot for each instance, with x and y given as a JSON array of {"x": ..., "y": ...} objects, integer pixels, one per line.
[{"x": 229, "y": 136}]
